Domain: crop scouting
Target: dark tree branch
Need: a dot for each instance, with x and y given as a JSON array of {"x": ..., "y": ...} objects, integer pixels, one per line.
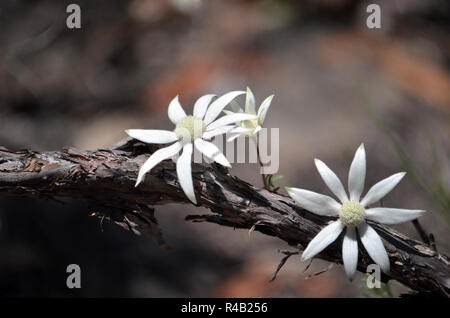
[
  {"x": 282, "y": 262},
  {"x": 106, "y": 178}
]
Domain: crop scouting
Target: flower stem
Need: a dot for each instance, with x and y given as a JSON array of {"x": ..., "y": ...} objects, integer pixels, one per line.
[
  {"x": 421, "y": 231},
  {"x": 264, "y": 176}
]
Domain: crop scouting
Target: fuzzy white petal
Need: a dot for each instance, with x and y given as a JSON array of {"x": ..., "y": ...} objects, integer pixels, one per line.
[
  {"x": 157, "y": 157},
  {"x": 233, "y": 137},
  {"x": 350, "y": 252},
  {"x": 239, "y": 131},
  {"x": 217, "y": 131},
  {"x": 324, "y": 238},
  {"x": 219, "y": 104},
  {"x": 184, "y": 172},
  {"x": 152, "y": 136},
  {"x": 250, "y": 102},
  {"x": 262, "y": 111},
  {"x": 315, "y": 202},
  {"x": 257, "y": 130},
  {"x": 211, "y": 151},
  {"x": 380, "y": 189},
  {"x": 392, "y": 216},
  {"x": 331, "y": 180},
  {"x": 175, "y": 111},
  {"x": 228, "y": 112},
  {"x": 374, "y": 246},
  {"x": 236, "y": 107},
  {"x": 229, "y": 119},
  {"x": 201, "y": 105},
  {"x": 357, "y": 174}
]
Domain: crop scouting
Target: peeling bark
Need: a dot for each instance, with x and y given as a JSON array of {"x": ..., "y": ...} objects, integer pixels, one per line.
[{"x": 106, "y": 178}]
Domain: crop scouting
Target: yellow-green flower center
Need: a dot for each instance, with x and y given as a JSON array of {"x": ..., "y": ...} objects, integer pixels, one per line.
[
  {"x": 352, "y": 213},
  {"x": 252, "y": 123},
  {"x": 190, "y": 128}
]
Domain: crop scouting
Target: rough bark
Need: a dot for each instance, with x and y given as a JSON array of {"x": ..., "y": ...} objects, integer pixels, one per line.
[{"x": 106, "y": 178}]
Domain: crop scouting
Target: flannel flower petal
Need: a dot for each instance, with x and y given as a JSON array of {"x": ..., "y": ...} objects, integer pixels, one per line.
[
  {"x": 249, "y": 128},
  {"x": 352, "y": 212},
  {"x": 193, "y": 130}
]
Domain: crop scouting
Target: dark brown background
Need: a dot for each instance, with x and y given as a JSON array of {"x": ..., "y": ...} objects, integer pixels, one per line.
[{"x": 336, "y": 84}]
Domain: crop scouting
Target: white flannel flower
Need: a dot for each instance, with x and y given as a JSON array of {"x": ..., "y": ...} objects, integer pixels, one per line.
[
  {"x": 249, "y": 128},
  {"x": 189, "y": 131},
  {"x": 352, "y": 213}
]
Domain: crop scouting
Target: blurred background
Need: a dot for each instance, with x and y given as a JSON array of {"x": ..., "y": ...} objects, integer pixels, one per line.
[{"x": 336, "y": 84}]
